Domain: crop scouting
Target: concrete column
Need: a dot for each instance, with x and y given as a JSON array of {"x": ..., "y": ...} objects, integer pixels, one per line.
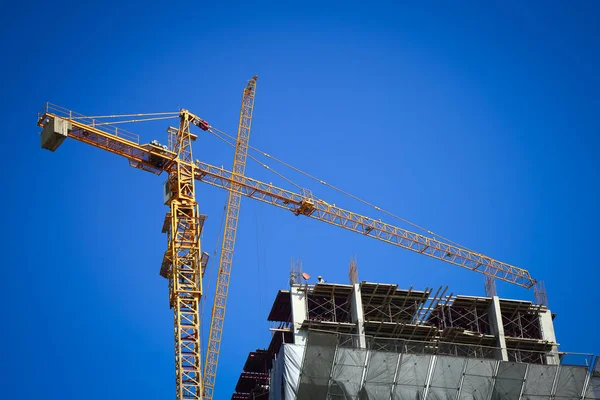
[
  {"x": 495, "y": 317},
  {"x": 547, "y": 328},
  {"x": 357, "y": 315},
  {"x": 299, "y": 312}
]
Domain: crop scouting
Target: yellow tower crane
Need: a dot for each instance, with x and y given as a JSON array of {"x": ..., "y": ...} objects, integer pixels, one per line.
[{"x": 183, "y": 263}]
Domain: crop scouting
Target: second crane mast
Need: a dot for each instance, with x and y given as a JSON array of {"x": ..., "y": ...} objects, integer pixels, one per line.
[
  {"x": 182, "y": 261},
  {"x": 229, "y": 234}
]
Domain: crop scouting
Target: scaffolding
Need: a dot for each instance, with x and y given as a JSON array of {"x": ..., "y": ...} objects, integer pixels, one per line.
[
  {"x": 464, "y": 319},
  {"x": 329, "y": 303}
]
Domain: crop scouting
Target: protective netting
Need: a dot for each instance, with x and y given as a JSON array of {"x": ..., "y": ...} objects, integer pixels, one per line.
[
  {"x": 570, "y": 382},
  {"x": 325, "y": 370},
  {"x": 593, "y": 389},
  {"x": 411, "y": 377},
  {"x": 347, "y": 374},
  {"x": 381, "y": 371},
  {"x": 478, "y": 379},
  {"x": 509, "y": 381},
  {"x": 317, "y": 366},
  {"x": 446, "y": 378},
  {"x": 539, "y": 382}
]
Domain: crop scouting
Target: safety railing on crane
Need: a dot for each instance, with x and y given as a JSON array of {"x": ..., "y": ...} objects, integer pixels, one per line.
[{"x": 96, "y": 122}]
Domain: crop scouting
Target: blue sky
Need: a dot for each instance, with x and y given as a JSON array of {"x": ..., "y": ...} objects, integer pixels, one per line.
[{"x": 479, "y": 123}]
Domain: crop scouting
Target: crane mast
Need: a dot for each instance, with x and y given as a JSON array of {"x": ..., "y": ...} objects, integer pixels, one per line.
[
  {"x": 228, "y": 243},
  {"x": 183, "y": 261}
]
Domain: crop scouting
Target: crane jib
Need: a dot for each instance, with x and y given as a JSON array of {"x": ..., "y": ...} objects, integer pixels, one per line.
[{"x": 323, "y": 211}]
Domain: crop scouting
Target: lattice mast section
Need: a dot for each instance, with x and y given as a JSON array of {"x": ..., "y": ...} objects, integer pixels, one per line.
[
  {"x": 181, "y": 264},
  {"x": 229, "y": 235}
]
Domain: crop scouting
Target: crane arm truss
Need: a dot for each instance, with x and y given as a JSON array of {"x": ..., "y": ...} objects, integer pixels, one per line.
[
  {"x": 323, "y": 211},
  {"x": 152, "y": 159},
  {"x": 229, "y": 234}
]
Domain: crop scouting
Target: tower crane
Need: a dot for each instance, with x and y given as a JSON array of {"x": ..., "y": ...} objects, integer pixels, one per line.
[{"x": 183, "y": 262}]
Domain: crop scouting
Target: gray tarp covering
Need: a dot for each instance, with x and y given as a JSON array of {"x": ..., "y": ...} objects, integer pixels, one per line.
[
  {"x": 538, "y": 385},
  {"x": 381, "y": 370},
  {"x": 593, "y": 389},
  {"x": 321, "y": 370},
  {"x": 570, "y": 382},
  {"x": 509, "y": 381},
  {"x": 347, "y": 373},
  {"x": 411, "y": 377},
  {"x": 317, "y": 366},
  {"x": 478, "y": 382},
  {"x": 446, "y": 377}
]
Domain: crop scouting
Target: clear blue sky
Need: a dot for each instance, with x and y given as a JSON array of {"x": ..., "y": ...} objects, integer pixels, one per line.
[{"x": 480, "y": 123}]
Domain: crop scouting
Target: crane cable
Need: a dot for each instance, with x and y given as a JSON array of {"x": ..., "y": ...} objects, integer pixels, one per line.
[
  {"x": 132, "y": 120},
  {"x": 216, "y": 132},
  {"x": 212, "y": 131},
  {"x": 258, "y": 275},
  {"x": 434, "y": 235},
  {"x": 172, "y": 113},
  {"x": 146, "y": 117}
]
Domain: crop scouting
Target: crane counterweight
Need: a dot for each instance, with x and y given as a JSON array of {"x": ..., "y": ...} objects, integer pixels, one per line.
[{"x": 55, "y": 131}]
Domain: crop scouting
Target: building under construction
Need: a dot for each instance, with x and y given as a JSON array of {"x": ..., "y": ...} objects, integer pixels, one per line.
[{"x": 375, "y": 341}]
